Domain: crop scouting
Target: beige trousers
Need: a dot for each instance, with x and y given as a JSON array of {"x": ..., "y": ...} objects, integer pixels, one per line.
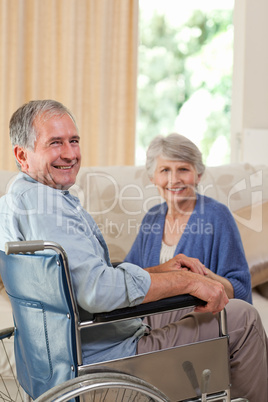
[{"x": 248, "y": 343}]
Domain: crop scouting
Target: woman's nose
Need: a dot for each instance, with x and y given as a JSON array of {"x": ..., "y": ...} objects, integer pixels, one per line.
[{"x": 174, "y": 177}]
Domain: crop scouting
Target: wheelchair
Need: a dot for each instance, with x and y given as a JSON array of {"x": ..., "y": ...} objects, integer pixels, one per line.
[{"x": 47, "y": 341}]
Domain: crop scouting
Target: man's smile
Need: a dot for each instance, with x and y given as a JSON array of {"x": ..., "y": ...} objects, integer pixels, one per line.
[{"x": 63, "y": 167}]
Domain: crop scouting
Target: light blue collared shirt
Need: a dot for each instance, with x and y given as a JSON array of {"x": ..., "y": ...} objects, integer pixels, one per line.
[{"x": 33, "y": 211}]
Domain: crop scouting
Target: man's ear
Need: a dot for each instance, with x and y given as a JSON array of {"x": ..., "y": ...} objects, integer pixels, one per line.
[{"x": 21, "y": 156}]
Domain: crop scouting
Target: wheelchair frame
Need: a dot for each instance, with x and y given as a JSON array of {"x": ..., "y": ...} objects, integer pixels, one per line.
[{"x": 136, "y": 372}]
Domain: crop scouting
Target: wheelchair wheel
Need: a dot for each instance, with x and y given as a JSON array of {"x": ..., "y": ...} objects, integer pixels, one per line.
[
  {"x": 104, "y": 387},
  {"x": 10, "y": 390}
]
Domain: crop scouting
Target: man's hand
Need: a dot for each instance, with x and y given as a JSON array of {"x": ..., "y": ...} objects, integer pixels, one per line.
[
  {"x": 178, "y": 282},
  {"x": 211, "y": 291}
]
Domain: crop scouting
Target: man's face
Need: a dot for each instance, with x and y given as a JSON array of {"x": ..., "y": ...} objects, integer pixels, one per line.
[{"x": 56, "y": 158}]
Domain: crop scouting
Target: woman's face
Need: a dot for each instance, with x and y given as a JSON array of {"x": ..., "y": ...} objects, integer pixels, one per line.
[{"x": 176, "y": 180}]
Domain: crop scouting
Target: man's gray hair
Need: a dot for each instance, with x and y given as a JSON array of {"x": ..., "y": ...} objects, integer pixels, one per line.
[
  {"x": 174, "y": 147},
  {"x": 22, "y": 129}
]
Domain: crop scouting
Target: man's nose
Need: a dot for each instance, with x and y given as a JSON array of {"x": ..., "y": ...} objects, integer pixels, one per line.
[{"x": 67, "y": 151}]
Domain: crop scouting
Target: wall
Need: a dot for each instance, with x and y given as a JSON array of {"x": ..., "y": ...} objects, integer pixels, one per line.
[{"x": 250, "y": 79}]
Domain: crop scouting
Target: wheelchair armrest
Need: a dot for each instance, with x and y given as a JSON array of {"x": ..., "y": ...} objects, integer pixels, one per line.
[{"x": 142, "y": 310}]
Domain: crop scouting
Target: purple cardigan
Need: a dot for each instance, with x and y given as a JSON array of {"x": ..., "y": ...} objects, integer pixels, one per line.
[{"x": 211, "y": 235}]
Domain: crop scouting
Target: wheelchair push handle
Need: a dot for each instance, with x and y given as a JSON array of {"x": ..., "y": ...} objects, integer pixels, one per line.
[
  {"x": 6, "y": 333},
  {"x": 16, "y": 247}
]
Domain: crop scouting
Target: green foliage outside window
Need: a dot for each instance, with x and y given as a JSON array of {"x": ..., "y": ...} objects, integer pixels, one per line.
[{"x": 185, "y": 74}]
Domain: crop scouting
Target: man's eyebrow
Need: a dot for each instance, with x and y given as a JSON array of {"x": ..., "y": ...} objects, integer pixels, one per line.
[{"x": 73, "y": 137}]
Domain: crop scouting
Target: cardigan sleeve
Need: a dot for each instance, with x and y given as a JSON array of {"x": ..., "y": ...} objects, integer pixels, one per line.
[
  {"x": 135, "y": 254},
  {"x": 229, "y": 251}
]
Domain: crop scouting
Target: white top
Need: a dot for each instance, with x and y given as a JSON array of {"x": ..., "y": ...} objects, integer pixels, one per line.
[{"x": 167, "y": 252}]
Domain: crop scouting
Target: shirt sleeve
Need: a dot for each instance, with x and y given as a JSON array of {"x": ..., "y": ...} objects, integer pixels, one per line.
[{"x": 98, "y": 285}]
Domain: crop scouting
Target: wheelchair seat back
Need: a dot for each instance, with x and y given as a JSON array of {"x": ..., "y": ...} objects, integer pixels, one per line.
[{"x": 44, "y": 340}]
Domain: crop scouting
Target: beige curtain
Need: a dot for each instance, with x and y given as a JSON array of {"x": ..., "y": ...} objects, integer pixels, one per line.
[{"x": 82, "y": 53}]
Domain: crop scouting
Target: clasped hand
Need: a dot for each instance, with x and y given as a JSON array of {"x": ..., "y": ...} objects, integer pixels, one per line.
[{"x": 184, "y": 269}]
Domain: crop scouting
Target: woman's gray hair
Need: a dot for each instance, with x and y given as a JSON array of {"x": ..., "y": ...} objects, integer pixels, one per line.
[
  {"x": 174, "y": 147},
  {"x": 22, "y": 128}
]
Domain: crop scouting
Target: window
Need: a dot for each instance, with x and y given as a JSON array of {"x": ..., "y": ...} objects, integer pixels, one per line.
[{"x": 185, "y": 74}]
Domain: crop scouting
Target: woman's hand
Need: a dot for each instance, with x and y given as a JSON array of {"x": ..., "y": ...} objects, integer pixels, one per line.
[
  {"x": 224, "y": 281},
  {"x": 180, "y": 261},
  {"x": 191, "y": 264}
]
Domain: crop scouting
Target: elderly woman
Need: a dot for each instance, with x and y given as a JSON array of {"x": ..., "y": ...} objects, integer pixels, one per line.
[{"x": 188, "y": 223}]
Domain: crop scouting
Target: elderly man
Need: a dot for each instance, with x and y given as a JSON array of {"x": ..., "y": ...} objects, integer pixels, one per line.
[{"x": 38, "y": 205}]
